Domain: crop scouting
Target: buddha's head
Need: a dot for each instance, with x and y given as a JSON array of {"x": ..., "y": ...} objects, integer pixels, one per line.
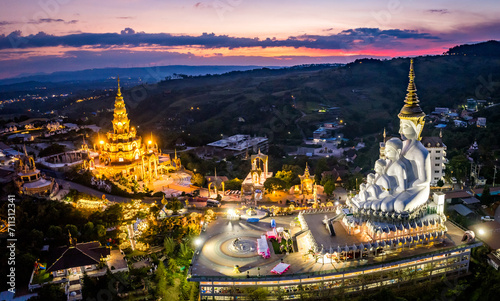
[
  {"x": 393, "y": 149},
  {"x": 410, "y": 130},
  {"x": 362, "y": 187},
  {"x": 370, "y": 178},
  {"x": 380, "y": 165}
]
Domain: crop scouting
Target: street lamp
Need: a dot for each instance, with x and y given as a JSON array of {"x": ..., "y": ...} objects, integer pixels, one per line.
[{"x": 197, "y": 242}]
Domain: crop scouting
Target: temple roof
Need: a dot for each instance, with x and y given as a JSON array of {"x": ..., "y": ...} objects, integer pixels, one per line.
[
  {"x": 432, "y": 142},
  {"x": 81, "y": 254}
]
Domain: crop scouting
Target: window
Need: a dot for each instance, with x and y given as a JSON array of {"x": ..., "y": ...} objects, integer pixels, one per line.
[
  {"x": 436, "y": 171},
  {"x": 438, "y": 158},
  {"x": 436, "y": 179},
  {"x": 437, "y": 152},
  {"x": 437, "y": 164}
]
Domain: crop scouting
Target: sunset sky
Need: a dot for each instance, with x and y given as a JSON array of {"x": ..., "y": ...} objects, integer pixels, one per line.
[{"x": 56, "y": 35}]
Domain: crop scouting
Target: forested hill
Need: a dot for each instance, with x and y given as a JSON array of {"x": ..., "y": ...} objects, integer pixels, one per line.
[
  {"x": 284, "y": 103},
  {"x": 490, "y": 48}
]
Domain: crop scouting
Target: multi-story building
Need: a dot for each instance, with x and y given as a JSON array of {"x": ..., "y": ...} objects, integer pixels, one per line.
[{"x": 437, "y": 152}]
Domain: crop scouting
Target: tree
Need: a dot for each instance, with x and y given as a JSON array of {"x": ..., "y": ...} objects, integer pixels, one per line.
[
  {"x": 52, "y": 150},
  {"x": 101, "y": 231},
  {"x": 486, "y": 198},
  {"x": 172, "y": 266},
  {"x": 36, "y": 237},
  {"x": 234, "y": 184},
  {"x": 185, "y": 251},
  {"x": 274, "y": 184},
  {"x": 198, "y": 180},
  {"x": 54, "y": 232},
  {"x": 457, "y": 168},
  {"x": 161, "y": 281},
  {"x": 169, "y": 245},
  {"x": 52, "y": 292},
  {"x": 440, "y": 183},
  {"x": 72, "y": 229},
  {"x": 88, "y": 231},
  {"x": 113, "y": 215},
  {"x": 329, "y": 187}
]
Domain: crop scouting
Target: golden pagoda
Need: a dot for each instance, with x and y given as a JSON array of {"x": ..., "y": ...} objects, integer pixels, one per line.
[
  {"x": 122, "y": 151},
  {"x": 306, "y": 182}
]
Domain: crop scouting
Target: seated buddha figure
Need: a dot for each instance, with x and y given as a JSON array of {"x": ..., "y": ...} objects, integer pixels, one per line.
[
  {"x": 371, "y": 191},
  {"x": 378, "y": 184},
  {"x": 418, "y": 166},
  {"x": 360, "y": 198},
  {"x": 396, "y": 173}
]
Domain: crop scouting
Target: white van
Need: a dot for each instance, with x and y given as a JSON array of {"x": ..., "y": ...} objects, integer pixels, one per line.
[{"x": 213, "y": 203}]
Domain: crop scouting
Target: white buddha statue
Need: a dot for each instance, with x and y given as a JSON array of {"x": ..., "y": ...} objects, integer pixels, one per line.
[
  {"x": 419, "y": 164},
  {"x": 404, "y": 184},
  {"x": 419, "y": 169},
  {"x": 396, "y": 173}
]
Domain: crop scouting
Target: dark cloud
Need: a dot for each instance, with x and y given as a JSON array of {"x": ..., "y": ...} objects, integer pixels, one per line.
[
  {"x": 3, "y": 23},
  {"x": 128, "y": 31},
  {"x": 438, "y": 11},
  {"x": 200, "y": 5},
  {"x": 50, "y": 20},
  {"x": 346, "y": 39}
]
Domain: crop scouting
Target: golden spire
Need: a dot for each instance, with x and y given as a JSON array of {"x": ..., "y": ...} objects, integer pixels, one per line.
[
  {"x": 306, "y": 171},
  {"x": 119, "y": 93},
  {"x": 411, "y": 109}
]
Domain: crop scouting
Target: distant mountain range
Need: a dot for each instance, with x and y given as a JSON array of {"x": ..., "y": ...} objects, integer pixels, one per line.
[{"x": 135, "y": 75}]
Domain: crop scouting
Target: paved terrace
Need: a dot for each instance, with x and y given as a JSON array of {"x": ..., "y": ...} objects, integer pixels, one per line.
[{"x": 214, "y": 260}]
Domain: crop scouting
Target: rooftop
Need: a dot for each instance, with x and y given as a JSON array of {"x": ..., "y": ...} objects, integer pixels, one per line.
[
  {"x": 81, "y": 254},
  {"x": 458, "y": 194},
  {"x": 433, "y": 142},
  {"x": 461, "y": 209},
  {"x": 216, "y": 260}
]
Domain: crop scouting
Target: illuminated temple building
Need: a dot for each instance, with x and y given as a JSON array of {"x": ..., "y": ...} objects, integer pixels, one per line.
[
  {"x": 121, "y": 151},
  {"x": 30, "y": 181}
]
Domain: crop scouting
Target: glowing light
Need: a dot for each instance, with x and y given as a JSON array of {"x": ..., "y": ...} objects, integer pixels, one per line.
[
  {"x": 230, "y": 212},
  {"x": 481, "y": 232},
  {"x": 101, "y": 142},
  {"x": 198, "y": 241},
  {"x": 149, "y": 142}
]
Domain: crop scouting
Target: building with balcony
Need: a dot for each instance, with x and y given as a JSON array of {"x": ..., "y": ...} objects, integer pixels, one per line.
[{"x": 437, "y": 153}]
